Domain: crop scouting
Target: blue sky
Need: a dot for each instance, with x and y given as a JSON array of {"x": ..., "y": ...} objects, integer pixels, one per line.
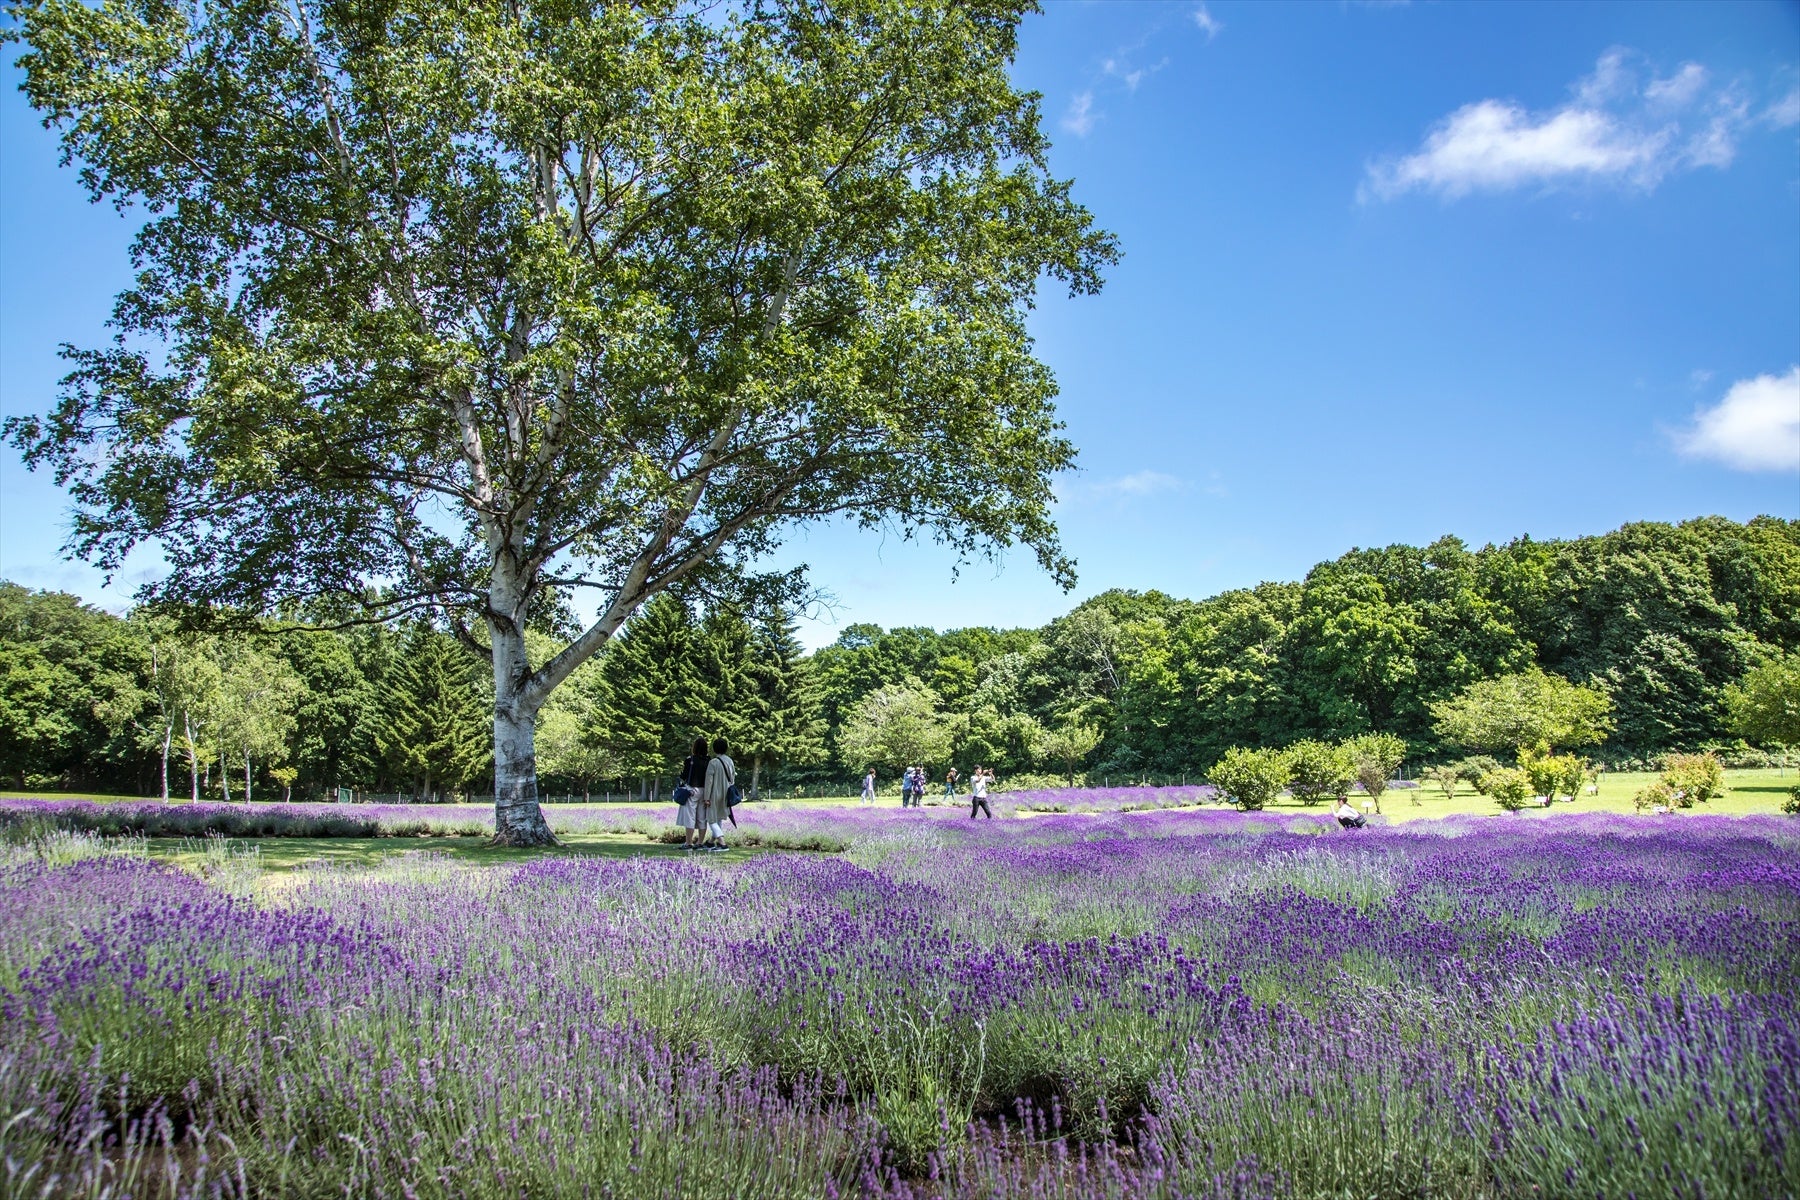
[{"x": 1391, "y": 271}]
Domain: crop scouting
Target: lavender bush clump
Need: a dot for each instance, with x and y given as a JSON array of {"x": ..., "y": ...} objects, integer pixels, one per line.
[{"x": 1164, "y": 1004}]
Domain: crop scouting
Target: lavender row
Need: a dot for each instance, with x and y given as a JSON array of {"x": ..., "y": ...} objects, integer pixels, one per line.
[{"x": 1168, "y": 1004}]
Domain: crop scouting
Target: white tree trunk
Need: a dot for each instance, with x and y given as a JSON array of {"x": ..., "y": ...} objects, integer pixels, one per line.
[
  {"x": 246, "y": 779},
  {"x": 187, "y": 724},
  {"x": 224, "y": 777},
  {"x": 518, "y": 821},
  {"x": 168, "y": 737}
]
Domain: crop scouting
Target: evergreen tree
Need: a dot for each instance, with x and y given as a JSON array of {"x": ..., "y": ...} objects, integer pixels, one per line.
[
  {"x": 645, "y": 713},
  {"x": 435, "y": 731},
  {"x": 785, "y": 723}
]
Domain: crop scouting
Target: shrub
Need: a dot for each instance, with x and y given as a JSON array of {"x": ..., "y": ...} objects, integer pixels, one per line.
[
  {"x": 1654, "y": 795},
  {"x": 1317, "y": 770},
  {"x": 1694, "y": 777},
  {"x": 1475, "y": 768},
  {"x": 1250, "y": 777},
  {"x": 1508, "y": 786},
  {"x": 1792, "y": 803},
  {"x": 1550, "y": 773},
  {"x": 1376, "y": 757},
  {"x": 1446, "y": 777}
]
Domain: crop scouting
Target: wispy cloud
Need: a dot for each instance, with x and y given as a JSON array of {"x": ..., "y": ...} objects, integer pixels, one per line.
[
  {"x": 1785, "y": 111},
  {"x": 1138, "y": 483},
  {"x": 1756, "y": 427},
  {"x": 1080, "y": 118},
  {"x": 1124, "y": 70},
  {"x": 1622, "y": 124},
  {"x": 1120, "y": 68}
]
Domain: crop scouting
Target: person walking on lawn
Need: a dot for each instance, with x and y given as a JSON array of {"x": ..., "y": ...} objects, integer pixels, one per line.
[{"x": 721, "y": 776}]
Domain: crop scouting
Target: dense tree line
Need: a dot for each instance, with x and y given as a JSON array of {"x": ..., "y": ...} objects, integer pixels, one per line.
[
  {"x": 1662, "y": 618},
  {"x": 1668, "y": 621}
]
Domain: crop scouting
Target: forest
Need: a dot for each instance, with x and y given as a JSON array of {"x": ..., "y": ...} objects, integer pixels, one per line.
[{"x": 1662, "y": 618}]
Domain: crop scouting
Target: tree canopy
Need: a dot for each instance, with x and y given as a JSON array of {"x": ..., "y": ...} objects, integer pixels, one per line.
[
  {"x": 1523, "y": 709},
  {"x": 1765, "y": 706},
  {"x": 491, "y": 303}
]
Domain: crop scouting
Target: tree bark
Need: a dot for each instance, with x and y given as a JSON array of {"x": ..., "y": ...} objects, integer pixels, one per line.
[
  {"x": 518, "y": 821},
  {"x": 168, "y": 736},
  {"x": 246, "y": 779},
  {"x": 187, "y": 724},
  {"x": 224, "y": 777},
  {"x": 755, "y": 776}
]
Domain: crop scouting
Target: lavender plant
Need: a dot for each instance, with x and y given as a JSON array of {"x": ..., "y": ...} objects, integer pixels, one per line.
[{"x": 1168, "y": 1004}]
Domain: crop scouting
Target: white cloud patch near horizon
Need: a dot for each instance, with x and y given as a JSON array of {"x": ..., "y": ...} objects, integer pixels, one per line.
[
  {"x": 1618, "y": 126},
  {"x": 1756, "y": 427}
]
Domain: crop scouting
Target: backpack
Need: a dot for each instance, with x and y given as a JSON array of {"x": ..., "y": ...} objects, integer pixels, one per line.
[{"x": 734, "y": 795}]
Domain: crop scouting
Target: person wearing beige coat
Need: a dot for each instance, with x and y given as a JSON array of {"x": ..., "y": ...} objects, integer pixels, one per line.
[{"x": 721, "y": 773}]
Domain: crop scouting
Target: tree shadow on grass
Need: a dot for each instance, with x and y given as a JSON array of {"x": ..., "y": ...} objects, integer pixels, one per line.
[{"x": 285, "y": 854}]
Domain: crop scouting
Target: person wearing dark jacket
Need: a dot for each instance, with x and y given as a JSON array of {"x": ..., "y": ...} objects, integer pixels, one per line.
[{"x": 693, "y": 777}]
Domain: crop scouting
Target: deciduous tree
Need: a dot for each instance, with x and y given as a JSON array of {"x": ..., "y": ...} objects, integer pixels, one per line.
[
  {"x": 1068, "y": 745},
  {"x": 1765, "y": 706},
  {"x": 1524, "y": 709},
  {"x": 490, "y": 302},
  {"x": 898, "y": 726},
  {"x": 1375, "y": 757}
]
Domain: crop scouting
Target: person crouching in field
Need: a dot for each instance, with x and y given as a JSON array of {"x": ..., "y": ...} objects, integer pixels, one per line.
[
  {"x": 721, "y": 775},
  {"x": 978, "y": 789},
  {"x": 1348, "y": 817},
  {"x": 693, "y": 778}
]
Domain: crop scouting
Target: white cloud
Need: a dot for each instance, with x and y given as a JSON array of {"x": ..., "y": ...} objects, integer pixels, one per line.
[
  {"x": 1209, "y": 24},
  {"x": 1756, "y": 427},
  {"x": 1615, "y": 128},
  {"x": 1080, "y": 118},
  {"x": 1785, "y": 111},
  {"x": 1138, "y": 483},
  {"x": 1680, "y": 89}
]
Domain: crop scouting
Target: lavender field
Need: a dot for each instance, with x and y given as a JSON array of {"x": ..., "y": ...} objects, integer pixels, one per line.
[{"x": 1165, "y": 1004}]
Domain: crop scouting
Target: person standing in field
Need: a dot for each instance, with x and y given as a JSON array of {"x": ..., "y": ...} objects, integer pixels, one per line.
[
  {"x": 868, "y": 792},
  {"x": 950, "y": 784},
  {"x": 978, "y": 790},
  {"x": 693, "y": 778},
  {"x": 721, "y": 776},
  {"x": 906, "y": 787}
]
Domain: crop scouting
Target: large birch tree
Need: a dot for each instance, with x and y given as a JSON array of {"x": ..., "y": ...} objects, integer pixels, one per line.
[{"x": 477, "y": 306}]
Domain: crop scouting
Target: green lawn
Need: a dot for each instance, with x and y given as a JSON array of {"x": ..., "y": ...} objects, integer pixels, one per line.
[
  {"x": 1746, "y": 792},
  {"x": 284, "y": 854}
]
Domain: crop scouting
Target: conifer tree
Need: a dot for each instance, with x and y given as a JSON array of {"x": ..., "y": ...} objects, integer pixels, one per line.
[
  {"x": 721, "y": 704},
  {"x": 783, "y": 700},
  {"x": 645, "y": 715},
  {"x": 434, "y": 731}
]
